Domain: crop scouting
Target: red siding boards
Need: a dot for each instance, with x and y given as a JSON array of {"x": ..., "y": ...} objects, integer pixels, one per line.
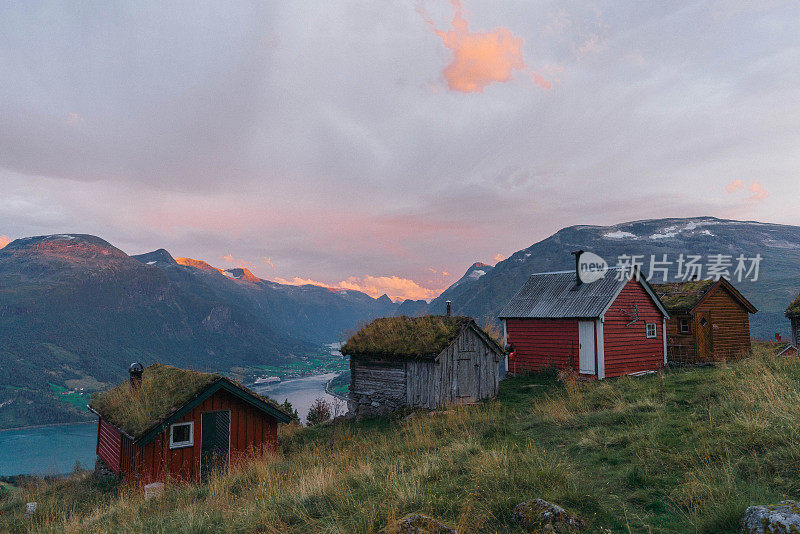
[
  {"x": 627, "y": 348},
  {"x": 543, "y": 343},
  {"x": 109, "y": 444},
  {"x": 253, "y": 432}
]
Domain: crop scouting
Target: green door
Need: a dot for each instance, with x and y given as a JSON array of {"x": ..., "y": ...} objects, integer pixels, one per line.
[{"x": 215, "y": 442}]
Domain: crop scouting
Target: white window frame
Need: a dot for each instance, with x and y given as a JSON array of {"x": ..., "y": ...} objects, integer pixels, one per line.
[
  {"x": 181, "y": 444},
  {"x": 647, "y": 330}
]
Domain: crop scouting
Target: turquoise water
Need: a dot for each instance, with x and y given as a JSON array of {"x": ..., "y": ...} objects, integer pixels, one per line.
[{"x": 47, "y": 450}]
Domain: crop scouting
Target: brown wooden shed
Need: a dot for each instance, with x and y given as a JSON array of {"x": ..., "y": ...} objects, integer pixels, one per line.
[
  {"x": 427, "y": 362},
  {"x": 176, "y": 424},
  {"x": 710, "y": 321}
]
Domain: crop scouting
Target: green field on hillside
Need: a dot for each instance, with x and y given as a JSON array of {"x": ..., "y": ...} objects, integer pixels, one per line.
[{"x": 685, "y": 452}]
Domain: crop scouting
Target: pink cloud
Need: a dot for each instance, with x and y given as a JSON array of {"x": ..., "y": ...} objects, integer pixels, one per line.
[
  {"x": 4, "y": 240},
  {"x": 395, "y": 287},
  {"x": 481, "y": 58},
  {"x": 268, "y": 261},
  {"x": 498, "y": 258},
  {"x": 590, "y": 45},
  {"x": 736, "y": 185},
  {"x": 759, "y": 193},
  {"x": 228, "y": 258}
]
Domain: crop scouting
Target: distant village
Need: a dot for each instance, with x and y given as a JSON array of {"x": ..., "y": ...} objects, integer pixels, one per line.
[{"x": 168, "y": 423}]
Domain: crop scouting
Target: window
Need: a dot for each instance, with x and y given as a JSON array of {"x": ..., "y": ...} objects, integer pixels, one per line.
[
  {"x": 683, "y": 327},
  {"x": 181, "y": 435},
  {"x": 652, "y": 330}
]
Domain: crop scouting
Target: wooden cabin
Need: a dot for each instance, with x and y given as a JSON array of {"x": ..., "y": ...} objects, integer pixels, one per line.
[
  {"x": 427, "y": 362},
  {"x": 610, "y": 327},
  {"x": 793, "y": 314},
  {"x": 168, "y": 423},
  {"x": 710, "y": 321}
]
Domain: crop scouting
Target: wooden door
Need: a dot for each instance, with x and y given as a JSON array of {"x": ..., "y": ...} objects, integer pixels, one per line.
[
  {"x": 586, "y": 347},
  {"x": 215, "y": 442},
  {"x": 704, "y": 342},
  {"x": 466, "y": 378}
]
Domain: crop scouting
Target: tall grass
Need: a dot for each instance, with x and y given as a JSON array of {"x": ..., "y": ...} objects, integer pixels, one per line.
[{"x": 621, "y": 453}]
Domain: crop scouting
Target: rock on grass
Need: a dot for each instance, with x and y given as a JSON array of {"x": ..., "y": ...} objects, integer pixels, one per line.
[
  {"x": 538, "y": 515},
  {"x": 780, "y": 518}
]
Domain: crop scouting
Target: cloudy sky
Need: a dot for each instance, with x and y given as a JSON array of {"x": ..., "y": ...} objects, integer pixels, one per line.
[{"x": 388, "y": 145}]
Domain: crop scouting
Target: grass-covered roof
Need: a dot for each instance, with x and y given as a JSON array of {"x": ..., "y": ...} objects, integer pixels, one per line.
[
  {"x": 682, "y": 296},
  {"x": 164, "y": 389},
  {"x": 794, "y": 309},
  {"x": 405, "y": 337}
]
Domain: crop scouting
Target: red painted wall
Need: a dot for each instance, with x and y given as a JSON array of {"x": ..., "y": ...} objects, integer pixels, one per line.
[
  {"x": 627, "y": 348},
  {"x": 543, "y": 343},
  {"x": 109, "y": 443},
  {"x": 253, "y": 433}
]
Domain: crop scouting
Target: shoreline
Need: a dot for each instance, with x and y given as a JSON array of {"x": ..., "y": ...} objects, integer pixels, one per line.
[
  {"x": 31, "y": 427},
  {"x": 330, "y": 392}
]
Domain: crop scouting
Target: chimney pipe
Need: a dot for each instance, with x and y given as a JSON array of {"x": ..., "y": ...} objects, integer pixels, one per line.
[
  {"x": 577, "y": 255},
  {"x": 447, "y": 303},
  {"x": 135, "y": 370}
]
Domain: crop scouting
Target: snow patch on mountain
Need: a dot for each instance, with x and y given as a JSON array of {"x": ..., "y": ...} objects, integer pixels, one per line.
[{"x": 619, "y": 234}]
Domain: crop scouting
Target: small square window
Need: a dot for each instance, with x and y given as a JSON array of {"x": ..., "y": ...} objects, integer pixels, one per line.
[
  {"x": 684, "y": 326},
  {"x": 652, "y": 330},
  {"x": 181, "y": 435}
]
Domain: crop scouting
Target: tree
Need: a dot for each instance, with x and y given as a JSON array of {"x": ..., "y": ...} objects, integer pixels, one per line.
[
  {"x": 289, "y": 409},
  {"x": 319, "y": 413}
]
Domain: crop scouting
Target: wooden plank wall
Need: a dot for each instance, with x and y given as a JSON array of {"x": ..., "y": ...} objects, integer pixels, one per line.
[
  {"x": 730, "y": 325},
  {"x": 253, "y": 434},
  {"x": 627, "y": 348},
  {"x": 543, "y": 343},
  {"x": 680, "y": 346},
  {"x": 426, "y": 383},
  {"x": 109, "y": 445}
]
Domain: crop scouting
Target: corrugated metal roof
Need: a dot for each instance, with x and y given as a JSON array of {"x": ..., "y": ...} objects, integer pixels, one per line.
[{"x": 555, "y": 296}]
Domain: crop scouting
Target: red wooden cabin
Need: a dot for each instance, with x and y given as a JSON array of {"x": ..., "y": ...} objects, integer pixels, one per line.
[
  {"x": 601, "y": 329},
  {"x": 169, "y": 423}
]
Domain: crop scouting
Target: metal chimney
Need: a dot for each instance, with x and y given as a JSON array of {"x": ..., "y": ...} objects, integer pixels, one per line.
[
  {"x": 577, "y": 255},
  {"x": 447, "y": 303},
  {"x": 135, "y": 370}
]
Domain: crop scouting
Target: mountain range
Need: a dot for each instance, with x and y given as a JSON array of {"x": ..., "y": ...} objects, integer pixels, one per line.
[
  {"x": 483, "y": 295},
  {"x": 75, "y": 311}
]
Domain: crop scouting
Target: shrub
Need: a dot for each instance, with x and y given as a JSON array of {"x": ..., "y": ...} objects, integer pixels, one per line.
[{"x": 319, "y": 412}]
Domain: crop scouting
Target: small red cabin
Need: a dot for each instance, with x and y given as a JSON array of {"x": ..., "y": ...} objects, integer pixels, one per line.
[
  {"x": 169, "y": 423},
  {"x": 610, "y": 327}
]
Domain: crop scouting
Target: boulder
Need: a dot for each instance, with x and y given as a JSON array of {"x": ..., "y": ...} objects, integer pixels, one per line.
[
  {"x": 780, "y": 518},
  {"x": 538, "y": 515},
  {"x": 422, "y": 524}
]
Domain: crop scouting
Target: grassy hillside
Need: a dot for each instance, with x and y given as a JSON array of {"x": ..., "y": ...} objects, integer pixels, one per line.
[{"x": 619, "y": 453}]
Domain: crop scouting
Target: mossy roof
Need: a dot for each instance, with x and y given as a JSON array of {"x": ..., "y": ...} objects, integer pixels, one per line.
[
  {"x": 405, "y": 337},
  {"x": 682, "y": 296},
  {"x": 794, "y": 309},
  {"x": 164, "y": 390}
]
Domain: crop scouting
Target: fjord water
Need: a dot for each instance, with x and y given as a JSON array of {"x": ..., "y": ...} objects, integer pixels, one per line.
[
  {"x": 301, "y": 392},
  {"x": 47, "y": 450},
  {"x": 53, "y": 450}
]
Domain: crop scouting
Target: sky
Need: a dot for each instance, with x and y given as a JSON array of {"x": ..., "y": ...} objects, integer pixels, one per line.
[{"x": 386, "y": 146}]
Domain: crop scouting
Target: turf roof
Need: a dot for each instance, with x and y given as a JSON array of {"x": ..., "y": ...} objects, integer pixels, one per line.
[
  {"x": 682, "y": 296},
  {"x": 164, "y": 390},
  {"x": 794, "y": 309},
  {"x": 405, "y": 337}
]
